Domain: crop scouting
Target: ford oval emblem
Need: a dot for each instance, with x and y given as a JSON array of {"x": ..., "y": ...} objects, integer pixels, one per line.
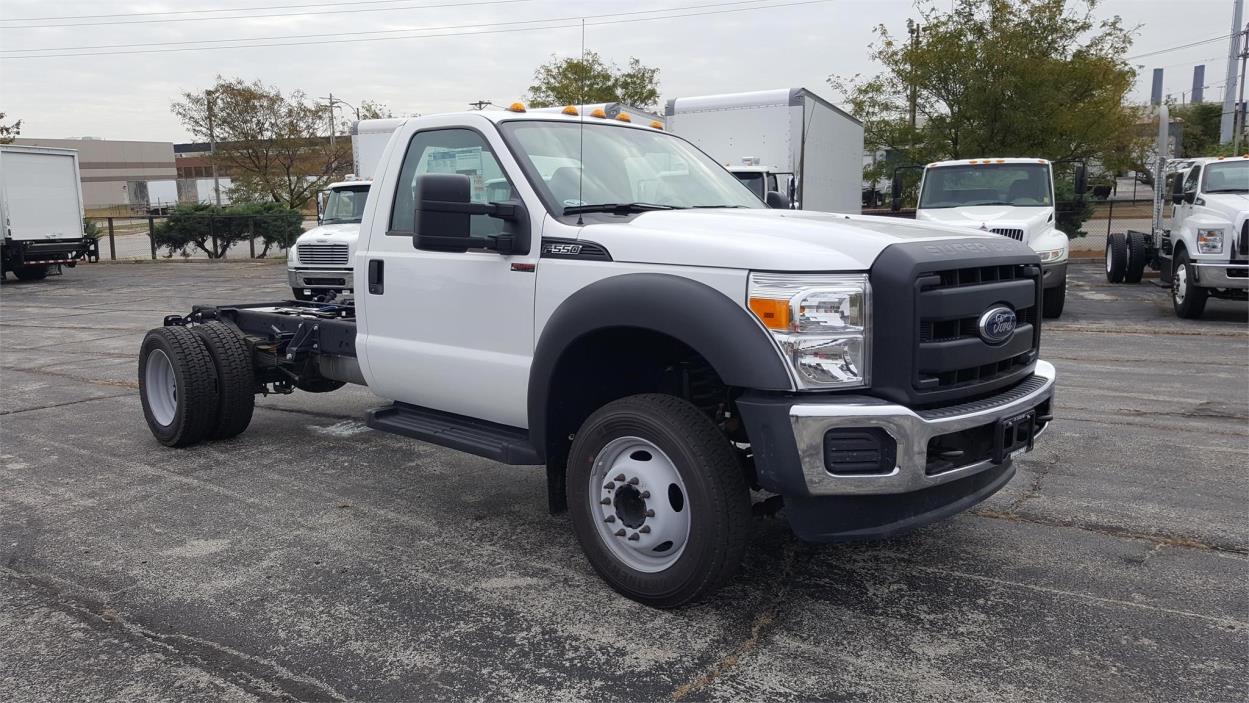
[{"x": 997, "y": 324}]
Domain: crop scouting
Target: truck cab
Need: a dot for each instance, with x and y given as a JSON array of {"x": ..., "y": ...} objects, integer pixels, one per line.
[
  {"x": 604, "y": 300},
  {"x": 320, "y": 261},
  {"x": 1013, "y": 198},
  {"x": 1206, "y": 249}
]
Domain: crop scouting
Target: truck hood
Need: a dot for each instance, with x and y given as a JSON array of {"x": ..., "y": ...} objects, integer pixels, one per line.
[
  {"x": 768, "y": 240},
  {"x": 346, "y": 233},
  {"x": 1032, "y": 220},
  {"x": 1234, "y": 207}
]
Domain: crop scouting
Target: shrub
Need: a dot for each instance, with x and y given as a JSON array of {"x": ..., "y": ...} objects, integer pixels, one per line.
[{"x": 214, "y": 230}]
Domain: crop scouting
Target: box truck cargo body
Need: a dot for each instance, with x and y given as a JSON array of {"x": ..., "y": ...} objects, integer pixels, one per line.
[
  {"x": 40, "y": 208},
  {"x": 809, "y": 148}
]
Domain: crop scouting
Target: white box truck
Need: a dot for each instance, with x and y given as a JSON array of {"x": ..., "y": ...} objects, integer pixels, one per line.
[
  {"x": 41, "y": 210},
  {"x": 320, "y": 262},
  {"x": 790, "y": 141}
]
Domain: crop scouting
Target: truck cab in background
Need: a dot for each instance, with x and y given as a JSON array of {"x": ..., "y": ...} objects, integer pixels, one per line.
[
  {"x": 1010, "y": 197},
  {"x": 41, "y": 213},
  {"x": 766, "y": 182},
  {"x": 320, "y": 262}
]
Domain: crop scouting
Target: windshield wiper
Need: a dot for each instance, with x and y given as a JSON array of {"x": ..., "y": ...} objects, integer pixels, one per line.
[
  {"x": 711, "y": 207},
  {"x": 617, "y": 208}
]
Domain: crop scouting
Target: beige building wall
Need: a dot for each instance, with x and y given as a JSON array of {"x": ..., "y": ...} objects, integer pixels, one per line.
[{"x": 111, "y": 169}]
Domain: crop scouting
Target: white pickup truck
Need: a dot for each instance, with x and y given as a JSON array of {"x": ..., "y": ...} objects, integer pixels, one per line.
[
  {"x": 1011, "y": 197},
  {"x": 634, "y": 319}
]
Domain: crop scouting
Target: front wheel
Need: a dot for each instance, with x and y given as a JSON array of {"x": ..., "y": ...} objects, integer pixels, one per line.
[
  {"x": 658, "y": 500},
  {"x": 1188, "y": 298},
  {"x": 1053, "y": 299}
]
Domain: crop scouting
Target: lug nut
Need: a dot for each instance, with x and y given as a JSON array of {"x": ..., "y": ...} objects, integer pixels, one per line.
[
  {"x": 646, "y": 494},
  {"x": 633, "y": 481},
  {"x": 646, "y": 529},
  {"x": 609, "y": 486},
  {"x": 633, "y": 537},
  {"x": 606, "y": 501},
  {"x": 619, "y": 478},
  {"x": 650, "y": 513},
  {"x": 609, "y": 518},
  {"x": 620, "y": 532}
]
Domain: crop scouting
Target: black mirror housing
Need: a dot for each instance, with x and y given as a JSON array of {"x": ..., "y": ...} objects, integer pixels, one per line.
[
  {"x": 443, "y": 217},
  {"x": 777, "y": 201}
]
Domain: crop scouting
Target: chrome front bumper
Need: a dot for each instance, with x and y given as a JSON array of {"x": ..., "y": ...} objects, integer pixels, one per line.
[
  {"x": 320, "y": 279},
  {"x": 911, "y": 430},
  {"x": 1214, "y": 275}
]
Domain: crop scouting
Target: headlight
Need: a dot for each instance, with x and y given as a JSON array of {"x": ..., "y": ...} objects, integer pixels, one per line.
[
  {"x": 1209, "y": 241},
  {"x": 820, "y": 324},
  {"x": 1049, "y": 256}
]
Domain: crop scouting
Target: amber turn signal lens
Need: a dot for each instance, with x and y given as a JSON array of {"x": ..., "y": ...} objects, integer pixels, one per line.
[{"x": 774, "y": 314}]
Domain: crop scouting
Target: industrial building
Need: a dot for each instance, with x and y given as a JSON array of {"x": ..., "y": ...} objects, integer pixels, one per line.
[{"x": 120, "y": 174}]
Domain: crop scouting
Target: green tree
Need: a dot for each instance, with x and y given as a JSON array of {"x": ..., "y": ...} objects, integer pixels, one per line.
[
  {"x": 1201, "y": 128},
  {"x": 273, "y": 146},
  {"x": 590, "y": 79},
  {"x": 1038, "y": 78},
  {"x": 9, "y": 132},
  {"x": 214, "y": 230}
]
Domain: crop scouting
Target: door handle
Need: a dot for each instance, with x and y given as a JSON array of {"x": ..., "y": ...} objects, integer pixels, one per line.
[{"x": 377, "y": 276}]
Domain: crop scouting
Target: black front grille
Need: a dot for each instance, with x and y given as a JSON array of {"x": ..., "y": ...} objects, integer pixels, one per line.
[
  {"x": 927, "y": 303},
  {"x": 1016, "y": 234}
]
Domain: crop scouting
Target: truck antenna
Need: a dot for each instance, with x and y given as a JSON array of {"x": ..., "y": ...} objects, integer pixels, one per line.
[{"x": 581, "y": 135}]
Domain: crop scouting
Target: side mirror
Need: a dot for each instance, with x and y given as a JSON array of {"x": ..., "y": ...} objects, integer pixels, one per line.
[
  {"x": 777, "y": 201},
  {"x": 896, "y": 189},
  {"x": 1190, "y": 196},
  {"x": 443, "y": 217},
  {"x": 1081, "y": 181}
]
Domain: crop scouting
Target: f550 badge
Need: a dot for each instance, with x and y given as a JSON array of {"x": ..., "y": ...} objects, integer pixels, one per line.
[{"x": 560, "y": 248}]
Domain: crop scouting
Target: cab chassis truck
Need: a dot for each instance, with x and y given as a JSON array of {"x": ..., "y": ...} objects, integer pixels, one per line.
[{"x": 662, "y": 358}]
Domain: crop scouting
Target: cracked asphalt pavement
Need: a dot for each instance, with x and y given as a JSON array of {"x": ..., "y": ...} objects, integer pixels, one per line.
[{"x": 314, "y": 559}]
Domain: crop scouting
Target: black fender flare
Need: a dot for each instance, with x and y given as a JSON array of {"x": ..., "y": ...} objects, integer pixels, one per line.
[{"x": 701, "y": 317}]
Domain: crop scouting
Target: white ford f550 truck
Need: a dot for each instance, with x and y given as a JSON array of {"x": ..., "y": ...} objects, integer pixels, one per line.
[
  {"x": 632, "y": 317},
  {"x": 1009, "y": 197}
]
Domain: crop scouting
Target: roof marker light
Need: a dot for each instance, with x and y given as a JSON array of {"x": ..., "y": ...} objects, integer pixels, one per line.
[
  {"x": 570, "y": 110},
  {"x": 624, "y": 117},
  {"x": 516, "y": 107},
  {"x": 598, "y": 112},
  {"x": 656, "y": 124}
]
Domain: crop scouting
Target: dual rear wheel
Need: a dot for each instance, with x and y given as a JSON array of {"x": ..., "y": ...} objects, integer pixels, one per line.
[{"x": 196, "y": 383}]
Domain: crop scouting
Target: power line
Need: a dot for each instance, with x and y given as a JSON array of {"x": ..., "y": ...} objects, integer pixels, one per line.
[
  {"x": 1177, "y": 48},
  {"x": 188, "y": 12},
  {"x": 372, "y": 32},
  {"x": 432, "y": 36},
  {"x": 279, "y": 14}
]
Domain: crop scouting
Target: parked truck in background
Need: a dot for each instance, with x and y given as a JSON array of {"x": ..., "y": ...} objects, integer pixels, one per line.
[
  {"x": 40, "y": 210},
  {"x": 320, "y": 262},
  {"x": 664, "y": 346},
  {"x": 1011, "y": 197},
  {"x": 788, "y": 141}
]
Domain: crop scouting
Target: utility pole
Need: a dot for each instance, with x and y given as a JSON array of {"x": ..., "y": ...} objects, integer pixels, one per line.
[
  {"x": 1227, "y": 123},
  {"x": 212, "y": 147},
  {"x": 480, "y": 104},
  {"x": 1240, "y": 100},
  {"x": 913, "y": 29}
]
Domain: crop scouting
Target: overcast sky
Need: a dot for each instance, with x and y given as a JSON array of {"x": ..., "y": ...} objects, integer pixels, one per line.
[{"x": 127, "y": 96}]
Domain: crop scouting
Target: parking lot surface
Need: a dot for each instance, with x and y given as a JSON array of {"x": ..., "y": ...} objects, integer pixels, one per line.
[{"x": 312, "y": 558}]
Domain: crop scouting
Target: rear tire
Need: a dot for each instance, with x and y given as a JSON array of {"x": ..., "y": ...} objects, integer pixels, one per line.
[
  {"x": 682, "y": 478},
  {"x": 1116, "y": 256},
  {"x": 31, "y": 273},
  {"x": 1136, "y": 258},
  {"x": 236, "y": 378},
  {"x": 1188, "y": 298},
  {"x": 1053, "y": 299},
  {"x": 177, "y": 386}
]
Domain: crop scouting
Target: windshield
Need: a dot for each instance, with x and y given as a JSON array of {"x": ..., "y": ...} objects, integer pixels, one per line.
[
  {"x": 622, "y": 166},
  {"x": 1227, "y": 177},
  {"x": 345, "y": 204},
  {"x": 752, "y": 180},
  {"x": 1021, "y": 185}
]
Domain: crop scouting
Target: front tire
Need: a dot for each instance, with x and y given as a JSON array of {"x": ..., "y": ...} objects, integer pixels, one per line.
[
  {"x": 1053, "y": 299},
  {"x": 31, "y": 273},
  {"x": 177, "y": 386},
  {"x": 1188, "y": 298},
  {"x": 658, "y": 500},
  {"x": 1116, "y": 256}
]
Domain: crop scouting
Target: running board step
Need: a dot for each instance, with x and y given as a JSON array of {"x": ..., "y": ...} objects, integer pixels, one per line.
[{"x": 509, "y": 445}]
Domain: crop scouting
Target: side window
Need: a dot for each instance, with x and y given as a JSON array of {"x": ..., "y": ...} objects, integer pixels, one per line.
[
  {"x": 772, "y": 185},
  {"x": 1190, "y": 183},
  {"x": 460, "y": 151}
]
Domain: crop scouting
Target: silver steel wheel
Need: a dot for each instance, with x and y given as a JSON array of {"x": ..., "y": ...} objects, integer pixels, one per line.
[
  {"x": 161, "y": 387},
  {"x": 1108, "y": 254},
  {"x": 1179, "y": 283},
  {"x": 639, "y": 503}
]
